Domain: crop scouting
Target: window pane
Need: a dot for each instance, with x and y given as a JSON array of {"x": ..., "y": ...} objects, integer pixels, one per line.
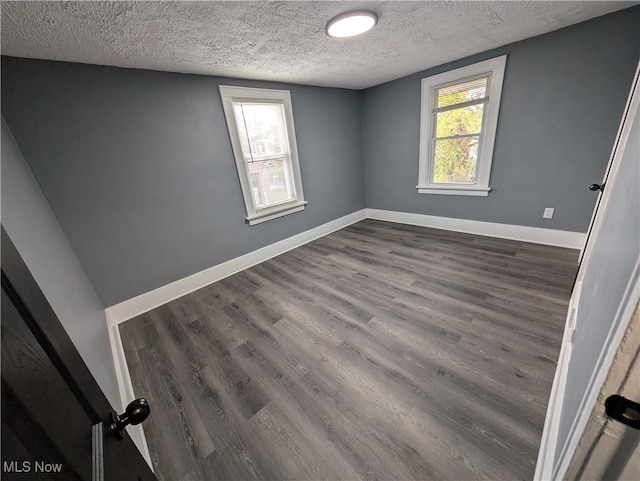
[
  {"x": 462, "y": 92},
  {"x": 270, "y": 181},
  {"x": 466, "y": 120},
  {"x": 455, "y": 160},
  {"x": 261, "y": 129}
]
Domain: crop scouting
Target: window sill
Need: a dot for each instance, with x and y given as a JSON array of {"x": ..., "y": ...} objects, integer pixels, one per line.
[
  {"x": 473, "y": 191},
  {"x": 259, "y": 218}
]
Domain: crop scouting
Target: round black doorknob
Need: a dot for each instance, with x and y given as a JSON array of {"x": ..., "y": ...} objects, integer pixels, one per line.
[
  {"x": 594, "y": 187},
  {"x": 137, "y": 411}
]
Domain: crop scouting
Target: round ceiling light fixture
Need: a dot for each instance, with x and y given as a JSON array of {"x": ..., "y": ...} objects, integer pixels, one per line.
[{"x": 350, "y": 24}]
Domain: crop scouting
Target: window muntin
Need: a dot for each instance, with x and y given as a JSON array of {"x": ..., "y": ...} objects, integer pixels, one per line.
[
  {"x": 265, "y": 150},
  {"x": 261, "y": 129},
  {"x": 458, "y": 118},
  {"x": 458, "y": 124}
]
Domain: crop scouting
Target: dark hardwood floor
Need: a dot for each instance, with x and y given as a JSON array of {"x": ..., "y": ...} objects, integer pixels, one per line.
[{"x": 381, "y": 351}]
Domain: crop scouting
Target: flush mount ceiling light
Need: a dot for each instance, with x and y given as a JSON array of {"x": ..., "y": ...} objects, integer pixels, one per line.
[{"x": 350, "y": 24}]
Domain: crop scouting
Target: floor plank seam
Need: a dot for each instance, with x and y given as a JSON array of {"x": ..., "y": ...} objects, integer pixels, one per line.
[{"x": 381, "y": 350}]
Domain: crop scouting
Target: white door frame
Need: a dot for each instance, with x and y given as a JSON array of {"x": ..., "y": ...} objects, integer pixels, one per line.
[{"x": 547, "y": 466}]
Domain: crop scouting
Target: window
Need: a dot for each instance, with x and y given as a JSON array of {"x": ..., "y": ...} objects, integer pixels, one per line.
[
  {"x": 260, "y": 123},
  {"x": 458, "y": 128}
]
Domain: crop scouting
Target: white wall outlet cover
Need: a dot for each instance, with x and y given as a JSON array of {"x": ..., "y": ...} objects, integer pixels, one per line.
[{"x": 548, "y": 212}]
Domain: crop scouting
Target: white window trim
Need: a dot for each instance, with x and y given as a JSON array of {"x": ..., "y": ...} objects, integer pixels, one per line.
[
  {"x": 257, "y": 215},
  {"x": 495, "y": 67}
]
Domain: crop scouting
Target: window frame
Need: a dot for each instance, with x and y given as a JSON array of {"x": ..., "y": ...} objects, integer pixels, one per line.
[
  {"x": 495, "y": 68},
  {"x": 230, "y": 94}
]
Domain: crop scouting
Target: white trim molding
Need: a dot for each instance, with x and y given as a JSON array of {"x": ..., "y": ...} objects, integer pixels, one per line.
[
  {"x": 548, "y": 442},
  {"x": 605, "y": 361},
  {"x": 242, "y": 96},
  {"x": 167, "y": 293},
  {"x": 260, "y": 218},
  {"x": 537, "y": 235},
  {"x": 145, "y": 302},
  {"x": 548, "y": 465},
  {"x": 476, "y": 191},
  {"x": 492, "y": 71},
  {"x": 125, "y": 386}
]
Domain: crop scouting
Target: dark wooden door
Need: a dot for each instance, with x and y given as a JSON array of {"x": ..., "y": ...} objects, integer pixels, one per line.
[{"x": 55, "y": 418}]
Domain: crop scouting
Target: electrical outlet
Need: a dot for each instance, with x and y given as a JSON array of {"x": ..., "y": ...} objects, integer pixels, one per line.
[{"x": 548, "y": 213}]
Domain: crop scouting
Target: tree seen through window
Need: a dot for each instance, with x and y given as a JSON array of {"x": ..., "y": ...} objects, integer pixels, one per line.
[{"x": 458, "y": 130}]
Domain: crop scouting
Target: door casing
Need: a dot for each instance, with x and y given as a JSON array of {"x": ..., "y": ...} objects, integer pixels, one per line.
[{"x": 547, "y": 466}]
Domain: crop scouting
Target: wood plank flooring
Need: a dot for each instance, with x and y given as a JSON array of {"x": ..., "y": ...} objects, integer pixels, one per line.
[{"x": 379, "y": 352}]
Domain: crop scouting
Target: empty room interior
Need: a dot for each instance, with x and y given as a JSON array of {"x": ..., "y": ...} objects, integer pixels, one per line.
[{"x": 322, "y": 240}]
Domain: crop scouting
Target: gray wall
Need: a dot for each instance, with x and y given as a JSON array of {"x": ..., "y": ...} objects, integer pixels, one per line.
[
  {"x": 33, "y": 228},
  {"x": 562, "y": 100},
  {"x": 138, "y": 167},
  {"x": 610, "y": 262}
]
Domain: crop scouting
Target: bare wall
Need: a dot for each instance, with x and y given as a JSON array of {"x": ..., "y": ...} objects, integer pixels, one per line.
[
  {"x": 138, "y": 168},
  {"x": 562, "y": 100},
  {"x": 33, "y": 228}
]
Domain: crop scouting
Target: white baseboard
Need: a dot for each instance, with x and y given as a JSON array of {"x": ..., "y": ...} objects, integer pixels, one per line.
[
  {"x": 162, "y": 295},
  {"x": 150, "y": 300},
  {"x": 145, "y": 302},
  {"x": 538, "y": 235},
  {"x": 157, "y": 297},
  {"x": 125, "y": 387},
  {"x": 128, "y": 309}
]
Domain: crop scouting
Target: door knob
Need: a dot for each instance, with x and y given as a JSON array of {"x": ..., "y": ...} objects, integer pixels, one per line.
[
  {"x": 623, "y": 410},
  {"x": 594, "y": 187},
  {"x": 137, "y": 411}
]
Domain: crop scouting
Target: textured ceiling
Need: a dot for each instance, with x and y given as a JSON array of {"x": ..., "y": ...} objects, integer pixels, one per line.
[{"x": 283, "y": 41}]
